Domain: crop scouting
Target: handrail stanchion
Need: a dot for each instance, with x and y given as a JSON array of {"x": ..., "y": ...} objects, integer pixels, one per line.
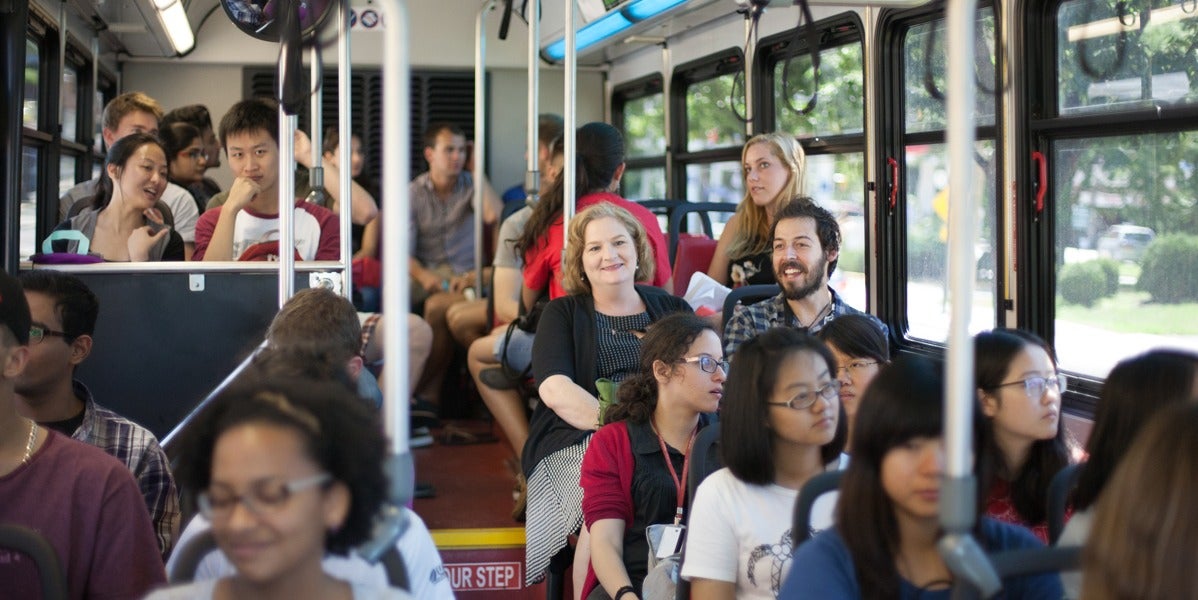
[
  {"x": 345, "y": 148},
  {"x": 962, "y": 553},
  {"x": 396, "y": 279},
  {"x": 479, "y": 156},
  {"x": 532, "y": 179},
  {"x": 570, "y": 78}
]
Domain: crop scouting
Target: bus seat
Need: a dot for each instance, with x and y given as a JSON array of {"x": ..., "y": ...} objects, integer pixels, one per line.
[
  {"x": 748, "y": 294},
  {"x": 815, "y": 487},
  {"x": 693, "y": 256},
  {"x": 31, "y": 543},
  {"x": 704, "y": 209},
  {"x": 1059, "y": 491}
]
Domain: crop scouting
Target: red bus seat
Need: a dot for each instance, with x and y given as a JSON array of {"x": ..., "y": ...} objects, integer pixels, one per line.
[{"x": 694, "y": 255}]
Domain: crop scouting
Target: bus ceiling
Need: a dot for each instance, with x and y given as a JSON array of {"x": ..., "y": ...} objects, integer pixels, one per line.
[{"x": 608, "y": 29}]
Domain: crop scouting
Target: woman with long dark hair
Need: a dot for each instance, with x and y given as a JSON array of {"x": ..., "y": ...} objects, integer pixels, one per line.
[
  {"x": 1135, "y": 390},
  {"x": 599, "y": 164},
  {"x": 884, "y": 544},
  {"x": 635, "y": 471},
  {"x": 1021, "y": 443},
  {"x": 780, "y": 425},
  {"x": 122, "y": 223}
]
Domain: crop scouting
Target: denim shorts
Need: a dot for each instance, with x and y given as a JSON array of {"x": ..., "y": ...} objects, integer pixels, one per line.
[{"x": 519, "y": 349}]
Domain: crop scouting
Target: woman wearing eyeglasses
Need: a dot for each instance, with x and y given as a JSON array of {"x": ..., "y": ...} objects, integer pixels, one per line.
[
  {"x": 781, "y": 422},
  {"x": 861, "y": 351},
  {"x": 635, "y": 471},
  {"x": 884, "y": 544},
  {"x": 1021, "y": 445},
  {"x": 186, "y": 155},
  {"x": 285, "y": 472}
]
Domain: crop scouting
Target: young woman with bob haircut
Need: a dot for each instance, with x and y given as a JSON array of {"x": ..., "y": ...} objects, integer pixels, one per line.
[
  {"x": 773, "y": 166},
  {"x": 781, "y": 423},
  {"x": 884, "y": 544},
  {"x": 1141, "y": 544},
  {"x": 635, "y": 471},
  {"x": 285, "y": 470},
  {"x": 861, "y": 351},
  {"x": 1021, "y": 444},
  {"x": 594, "y": 333}
]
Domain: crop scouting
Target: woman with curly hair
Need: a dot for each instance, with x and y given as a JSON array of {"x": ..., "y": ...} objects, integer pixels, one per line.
[
  {"x": 635, "y": 471},
  {"x": 285, "y": 470}
]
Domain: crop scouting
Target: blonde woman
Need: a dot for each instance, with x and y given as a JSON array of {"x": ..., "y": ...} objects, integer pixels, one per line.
[{"x": 774, "y": 165}]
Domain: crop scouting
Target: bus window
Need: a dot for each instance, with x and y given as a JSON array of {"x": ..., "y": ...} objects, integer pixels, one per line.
[
  {"x": 33, "y": 71},
  {"x": 70, "y": 103},
  {"x": 29, "y": 168},
  {"x": 644, "y": 127},
  {"x": 1155, "y": 65},
  {"x": 926, "y": 113},
  {"x": 1123, "y": 204},
  {"x": 711, "y": 119},
  {"x": 840, "y": 107},
  {"x": 836, "y": 182},
  {"x": 66, "y": 173},
  {"x": 926, "y": 182}
]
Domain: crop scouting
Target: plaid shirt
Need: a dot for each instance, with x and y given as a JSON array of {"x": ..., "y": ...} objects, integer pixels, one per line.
[
  {"x": 748, "y": 321},
  {"x": 135, "y": 446}
]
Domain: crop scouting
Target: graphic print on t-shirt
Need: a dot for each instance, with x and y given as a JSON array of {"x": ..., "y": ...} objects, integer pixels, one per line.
[{"x": 778, "y": 554}]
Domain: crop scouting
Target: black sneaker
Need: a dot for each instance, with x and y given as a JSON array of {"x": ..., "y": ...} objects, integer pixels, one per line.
[
  {"x": 420, "y": 437},
  {"x": 423, "y": 413},
  {"x": 424, "y": 490}
]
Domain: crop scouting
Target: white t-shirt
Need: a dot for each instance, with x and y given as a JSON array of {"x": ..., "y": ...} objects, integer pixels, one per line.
[
  {"x": 203, "y": 590},
  {"x": 1076, "y": 532},
  {"x": 427, "y": 577},
  {"x": 740, "y": 533}
]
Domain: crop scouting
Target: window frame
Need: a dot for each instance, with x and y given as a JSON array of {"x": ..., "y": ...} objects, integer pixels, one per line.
[
  {"x": 648, "y": 85},
  {"x": 891, "y": 142},
  {"x": 711, "y": 66}
]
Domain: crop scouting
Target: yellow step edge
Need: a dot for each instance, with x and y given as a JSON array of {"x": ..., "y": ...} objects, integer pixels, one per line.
[{"x": 470, "y": 539}]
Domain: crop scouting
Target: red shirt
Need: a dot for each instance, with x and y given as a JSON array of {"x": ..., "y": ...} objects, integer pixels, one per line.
[{"x": 543, "y": 263}]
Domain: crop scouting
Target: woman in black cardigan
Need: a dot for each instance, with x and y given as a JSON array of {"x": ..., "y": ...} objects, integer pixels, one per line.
[{"x": 592, "y": 334}]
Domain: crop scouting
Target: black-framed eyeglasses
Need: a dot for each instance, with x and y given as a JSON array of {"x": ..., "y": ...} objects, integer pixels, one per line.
[
  {"x": 38, "y": 333},
  {"x": 262, "y": 499},
  {"x": 804, "y": 400},
  {"x": 707, "y": 363},
  {"x": 1036, "y": 386}
]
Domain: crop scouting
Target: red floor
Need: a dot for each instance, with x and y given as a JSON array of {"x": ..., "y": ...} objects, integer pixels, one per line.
[{"x": 470, "y": 516}]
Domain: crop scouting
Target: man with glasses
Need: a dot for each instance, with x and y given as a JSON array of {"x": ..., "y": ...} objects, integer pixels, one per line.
[
  {"x": 64, "y": 314},
  {"x": 806, "y": 245},
  {"x": 80, "y": 500}
]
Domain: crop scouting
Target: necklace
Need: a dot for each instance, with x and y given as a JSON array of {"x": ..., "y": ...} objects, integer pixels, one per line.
[
  {"x": 30, "y": 443},
  {"x": 819, "y": 315}
]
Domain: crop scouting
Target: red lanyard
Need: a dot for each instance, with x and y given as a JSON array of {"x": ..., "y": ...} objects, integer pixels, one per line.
[{"x": 686, "y": 463}]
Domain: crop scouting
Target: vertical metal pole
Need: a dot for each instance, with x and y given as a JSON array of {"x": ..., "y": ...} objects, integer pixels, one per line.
[
  {"x": 871, "y": 63},
  {"x": 345, "y": 148},
  {"x": 480, "y": 138},
  {"x": 751, "y": 46},
  {"x": 667, "y": 80},
  {"x": 962, "y": 554},
  {"x": 570, "y": 124},
  {"x": 286, "y": 187},
  {"x": 62, "y": 67},
  {"x": 532, "y": 179},
  {"x": 316, "y": 123},
  {"x": 397, "y": 292}
]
